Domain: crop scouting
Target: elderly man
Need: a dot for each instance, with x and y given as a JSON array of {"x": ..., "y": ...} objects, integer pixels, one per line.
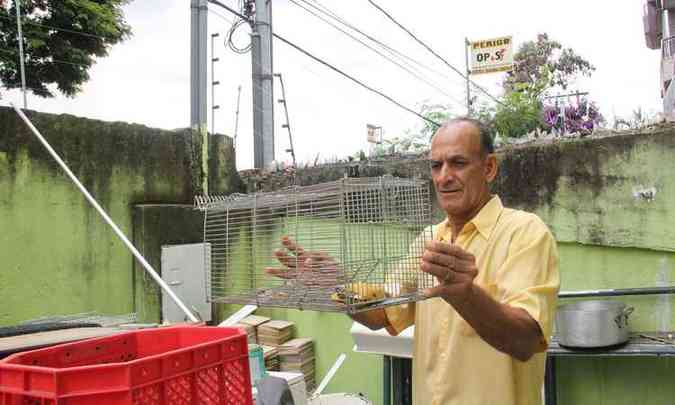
[{"x": 480, "y": 338}]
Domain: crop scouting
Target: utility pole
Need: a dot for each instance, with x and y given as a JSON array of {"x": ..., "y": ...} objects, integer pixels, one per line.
[
  {"x": 263, "y": 97},
  {"x": 21, "y": 62},
  {"x": 214, "y": 83},
  {"x": 467, "y": 44},
  {"x": 198, "y": 84}
]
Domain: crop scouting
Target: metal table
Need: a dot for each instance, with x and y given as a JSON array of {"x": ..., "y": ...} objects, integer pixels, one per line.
[{"x": 637, "y": 346}]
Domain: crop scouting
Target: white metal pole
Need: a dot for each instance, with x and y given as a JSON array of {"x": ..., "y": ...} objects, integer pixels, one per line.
[
  {"x": 21, "y": 62},
  {"x": 468, "y": 74},
  {"x": 107, "y": 219},
  {"x": 236, "y": 118}
]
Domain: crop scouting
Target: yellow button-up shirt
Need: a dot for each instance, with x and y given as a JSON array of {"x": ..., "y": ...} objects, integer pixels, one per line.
[{"x": 517, "y": 264}]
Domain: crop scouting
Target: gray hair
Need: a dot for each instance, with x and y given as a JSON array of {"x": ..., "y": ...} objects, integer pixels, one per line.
[{"x": 487, "y": 144}]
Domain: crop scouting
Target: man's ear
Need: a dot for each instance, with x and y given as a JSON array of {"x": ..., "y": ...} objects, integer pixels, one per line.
[{"x": 491, "y": 167}]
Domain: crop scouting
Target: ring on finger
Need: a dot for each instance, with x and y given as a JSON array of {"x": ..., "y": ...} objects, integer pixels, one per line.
[{"x": 447, "y": 277}]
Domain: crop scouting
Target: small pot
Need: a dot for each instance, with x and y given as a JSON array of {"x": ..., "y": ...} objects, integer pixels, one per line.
[{"x": 593, "y": 323}]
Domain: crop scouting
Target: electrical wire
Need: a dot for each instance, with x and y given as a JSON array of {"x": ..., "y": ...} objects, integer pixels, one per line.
[
  {"x": 428, "y": 48},
  {"x": 335, "y": 69},
  {"x": 222, "y": 17},
  {"x": 234, "y": 25},
  {"x": 230, "y": 43},
  {"x": 389, "y": 49},
  {"x": 407, "y": 69},
  {"x": 63, "y": 62},
  {"x": 27, "y": 22}
]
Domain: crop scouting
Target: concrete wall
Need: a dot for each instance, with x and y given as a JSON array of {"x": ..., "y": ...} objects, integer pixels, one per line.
[
  {"x": 58, "y": 256},
  {"x": 609, "y": 202}
]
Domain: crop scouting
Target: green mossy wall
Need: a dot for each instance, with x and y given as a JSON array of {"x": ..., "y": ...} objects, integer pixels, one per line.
[{"x": 58, "y": 256}]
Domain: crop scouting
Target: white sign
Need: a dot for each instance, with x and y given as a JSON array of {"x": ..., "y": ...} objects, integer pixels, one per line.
[
  {"x": 374, "y": 134},
  {"x": 491, "y": 55}
]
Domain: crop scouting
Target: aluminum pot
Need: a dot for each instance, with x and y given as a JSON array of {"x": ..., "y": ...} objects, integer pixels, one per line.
[{"x": 593, "y": 323}]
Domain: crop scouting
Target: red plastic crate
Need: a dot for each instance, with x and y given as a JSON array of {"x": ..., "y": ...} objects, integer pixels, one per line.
[{"x": 184, "y": 365}]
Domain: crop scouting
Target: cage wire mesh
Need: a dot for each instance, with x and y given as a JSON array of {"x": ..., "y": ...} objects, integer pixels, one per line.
[{"x": 355, "y": 245}]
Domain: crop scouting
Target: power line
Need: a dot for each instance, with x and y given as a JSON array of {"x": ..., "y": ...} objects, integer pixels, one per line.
[
  {"x": 355, "y": 80},
  {"x": 321, "y": 61},
  {"x": 222, "y": 17},
  {"x": 416, "y": 75},
  {"x": 428, "y": 48},
  {"x": 393, "y": 51},
  {"x": 63, "y": 62},
  {"x": 230, "y": 32},
  {"x": 86, "y": 34}
]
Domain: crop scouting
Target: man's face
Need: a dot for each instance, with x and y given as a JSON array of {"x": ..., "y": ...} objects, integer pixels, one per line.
[{"x": 459, "y": 172}]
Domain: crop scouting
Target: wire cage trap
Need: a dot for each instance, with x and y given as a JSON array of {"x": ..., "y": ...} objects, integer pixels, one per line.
[{"x": 342, "y": 246}]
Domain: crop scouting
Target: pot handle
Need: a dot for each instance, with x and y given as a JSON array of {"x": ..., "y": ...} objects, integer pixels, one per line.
[{"x": 621, "y": 320}]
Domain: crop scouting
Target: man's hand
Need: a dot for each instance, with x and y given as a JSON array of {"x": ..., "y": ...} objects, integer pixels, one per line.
[
  {"x": 312, "y": 269},
  {"x": 454, "y": 268},
  {"x": 508, "y": 329}
]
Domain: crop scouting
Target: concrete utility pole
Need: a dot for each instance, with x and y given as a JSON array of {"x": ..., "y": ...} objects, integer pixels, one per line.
[
  {"x": 263, "y": 97},
  {"x": 198, "y": 82}
]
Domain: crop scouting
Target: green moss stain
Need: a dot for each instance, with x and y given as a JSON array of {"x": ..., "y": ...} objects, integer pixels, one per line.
[{"x": 59, "y": 256}]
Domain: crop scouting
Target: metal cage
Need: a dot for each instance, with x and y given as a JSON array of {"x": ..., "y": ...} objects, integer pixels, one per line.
[{"x": 359, "y": 239}]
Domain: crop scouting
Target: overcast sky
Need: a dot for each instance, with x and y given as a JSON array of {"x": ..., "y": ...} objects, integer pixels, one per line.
[{"x": 146, "y": 79}]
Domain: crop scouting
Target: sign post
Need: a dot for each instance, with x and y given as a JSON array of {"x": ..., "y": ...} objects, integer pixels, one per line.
[
  {"x": 374, "y": 136},
  {"x": 467, "y": 44}
]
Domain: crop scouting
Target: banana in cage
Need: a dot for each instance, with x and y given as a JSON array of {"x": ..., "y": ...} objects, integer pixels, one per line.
[{"x": 343, "y": 246}]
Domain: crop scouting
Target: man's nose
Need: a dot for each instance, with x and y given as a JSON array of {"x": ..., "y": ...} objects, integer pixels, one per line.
[{"x": 446, "y": 174}]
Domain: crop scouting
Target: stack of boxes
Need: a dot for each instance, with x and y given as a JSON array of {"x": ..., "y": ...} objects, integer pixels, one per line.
[
  {"x": 297, "y": 355},
  {"x": 275, "y": 333},
  {"x": 280, "y": 351}
]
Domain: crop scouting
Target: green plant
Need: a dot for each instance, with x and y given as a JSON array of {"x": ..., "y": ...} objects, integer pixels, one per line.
[
  {"x": 520, "y": 110},
  {"x": 61, "y": 40},
  {"x": 639, "y": 119},
  {"x": 562, "y": 64}
]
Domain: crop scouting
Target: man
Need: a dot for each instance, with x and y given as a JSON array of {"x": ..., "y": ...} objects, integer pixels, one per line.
[{"x": 480, "y": 338}]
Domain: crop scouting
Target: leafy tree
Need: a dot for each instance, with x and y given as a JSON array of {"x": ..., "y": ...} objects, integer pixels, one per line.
[
  {"x": 61, "y": 40},
  {"x": 539, "y": 66},
  {"x": 439, "y": 113},
  {"x": 562, "y": 64}
]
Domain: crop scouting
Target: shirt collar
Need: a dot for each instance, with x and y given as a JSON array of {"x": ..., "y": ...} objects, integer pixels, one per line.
[
  {"x": 484, "y": 222},
  {"x": 487, "y": 218}
]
